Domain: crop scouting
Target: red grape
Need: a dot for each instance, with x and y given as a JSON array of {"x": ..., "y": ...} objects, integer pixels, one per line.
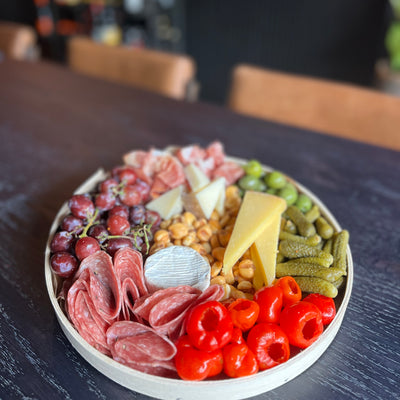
[
  {"x": 99, "y": 232},
  {"x": 137, "y": 215},
  {"x": 108, "y": 185},
  {"x": 143, "y": 188},
  {"x": 105, "y": 201},
  {"x": 81, "y": 206},
  {"x": 62, "y": 241},
  {"x": 85, "y": 247},
  {"x": 120, "y": 210},
  {"x": 72, "y": 224},
  {"x": 64, "y": 264},
  {"x": 130, "y": 196},
  {"x": 152, "y": 217},
  {"x": 118, "y": 225},
  {"x": 127, "y": 175},
  {"x": 113, "y": 245}
]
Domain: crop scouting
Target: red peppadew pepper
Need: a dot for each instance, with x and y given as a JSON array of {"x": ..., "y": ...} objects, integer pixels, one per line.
[
  {"x": 325, "y": 304},
  {"x": 302, "y": 323},
  {"x": 269, "y": 300},
  {"x": 269, "y": 344},
  {"x": 290, "y": 289},
  {"x": 244, "y": 313},
  {"x": 209, "y": 326},
  {"x": 239, "y": 360},
  {"x": 195, "y": 365}
]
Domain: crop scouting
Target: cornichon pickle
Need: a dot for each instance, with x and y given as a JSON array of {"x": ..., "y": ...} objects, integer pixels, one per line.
[
  {"x": 338, "y": 283},
  {"x": 305, "y": 269},
  {"x": 290, "y": 227},
  {"x": 311, "y": 241},
  {"x": 279, "y": 257},
  {"x": 305, "y": 227},
  {"x": 322, "y": 262},
  {"x": 316, "y": 285},
  {"x": 339, "y": 249},
  {"x": 323, "y": 228},
  {"x": 292, "y": 249},
  {"x": 313, "y": 214},
  {"x": 328, "y": 246}
]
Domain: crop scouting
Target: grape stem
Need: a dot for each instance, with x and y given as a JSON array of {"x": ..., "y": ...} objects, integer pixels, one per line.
[{"x": 89, "y": 224}]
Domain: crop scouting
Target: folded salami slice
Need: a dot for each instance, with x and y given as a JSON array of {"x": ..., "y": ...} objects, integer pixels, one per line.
[
  {"x": 104, "y": 288},
  {"x": 141, "y": 347},
  {"x": 93, "y": 300},
  {"x": 84, "y": 315},
  {"x": 128, "y": 267},
  {"x": 166, "y": 309}
]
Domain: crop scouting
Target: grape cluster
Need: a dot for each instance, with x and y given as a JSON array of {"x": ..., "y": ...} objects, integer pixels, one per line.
[{"x": 110, "y": 218}]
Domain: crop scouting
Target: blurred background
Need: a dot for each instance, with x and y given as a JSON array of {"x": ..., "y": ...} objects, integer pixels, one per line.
[{"x": 356, "y": 41}]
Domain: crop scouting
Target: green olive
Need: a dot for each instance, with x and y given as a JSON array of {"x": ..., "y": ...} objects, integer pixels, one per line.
[
  {"x": 249, "y": 182},
  {"x": 275, "y": 180},
  {"x": 303, "y": 203},
  {"x": 253, "y": 168},
  {"x": 289, "y": 193}
]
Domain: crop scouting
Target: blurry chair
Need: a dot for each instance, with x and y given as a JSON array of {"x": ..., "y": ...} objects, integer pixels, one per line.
[
  {"x": 167, "y": 74},
  {"x": 324, "y": 106},
  {"x": 18, "y": 41}
]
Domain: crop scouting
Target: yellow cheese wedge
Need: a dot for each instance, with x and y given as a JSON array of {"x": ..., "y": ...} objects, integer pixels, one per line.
[
  {"x": 256, "y": 213},
  {"x": 263, "y": 253}
]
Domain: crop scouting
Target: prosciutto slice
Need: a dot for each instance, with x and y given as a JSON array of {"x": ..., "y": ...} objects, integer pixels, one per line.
[
  {"x": 128, "y": 267},
  {"x": 141, "y": 347}
]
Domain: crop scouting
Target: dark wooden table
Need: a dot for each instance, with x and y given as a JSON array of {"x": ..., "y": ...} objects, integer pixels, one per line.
[{"x": 57, "y": 128}]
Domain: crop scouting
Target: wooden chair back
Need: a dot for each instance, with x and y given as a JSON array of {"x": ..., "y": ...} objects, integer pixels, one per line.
[
  {"x": 324, "y": 106},
  {"x": 161, "y": 72},
  {"x": 18, "y": 41}
]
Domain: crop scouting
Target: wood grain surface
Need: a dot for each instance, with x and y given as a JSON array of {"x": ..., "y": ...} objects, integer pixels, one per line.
[{"x": 57, "y": 128}]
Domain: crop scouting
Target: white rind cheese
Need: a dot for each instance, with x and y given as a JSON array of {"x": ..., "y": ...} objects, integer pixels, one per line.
[{"x": 175, "y": 266}]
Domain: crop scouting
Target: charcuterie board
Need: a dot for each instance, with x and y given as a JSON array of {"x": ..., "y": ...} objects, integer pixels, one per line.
[{"x": 171, "y": 388}]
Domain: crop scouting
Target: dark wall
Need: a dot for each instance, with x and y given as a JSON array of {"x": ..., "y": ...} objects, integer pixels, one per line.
[
  {"x": 338, "y": 39},
  {"x": 23, "y": 11}
]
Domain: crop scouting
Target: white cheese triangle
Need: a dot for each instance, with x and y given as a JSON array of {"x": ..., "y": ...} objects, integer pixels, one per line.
[
  {"x": 209, "y": 195},
  {"x": 168, "y": 204},
  {"x": 196, "y": 177}
]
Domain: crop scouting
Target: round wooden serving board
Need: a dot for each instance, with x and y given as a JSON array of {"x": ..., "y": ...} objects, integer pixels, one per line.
[{"x": 174, "y": 389}]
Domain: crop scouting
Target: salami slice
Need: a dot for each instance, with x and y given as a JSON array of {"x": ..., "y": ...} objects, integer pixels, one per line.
[
  {"x": 144, "y": 306},
  {"x": 128, "y": 267},
  {"x": 83, "y": 314},
  {"x": 166, "y": 309},
  {"x": 141, "y": 347},
  {"x": 103, "y": 287}
]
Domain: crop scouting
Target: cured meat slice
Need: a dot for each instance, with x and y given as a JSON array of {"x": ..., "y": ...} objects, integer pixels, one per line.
[
  {"x": 84, "y": 315},
  {"x": 128, "y": 267},
  {"x": 190, "y": 154},
  {"x": 102, "y": 285},
  {"x": 144, "y": 306},
  {"x": 230, "y": 171},
  {"x": 141, "y": 347},
  {"x": 216, "y": 151},
  {"x": 166, "y": 309}
]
